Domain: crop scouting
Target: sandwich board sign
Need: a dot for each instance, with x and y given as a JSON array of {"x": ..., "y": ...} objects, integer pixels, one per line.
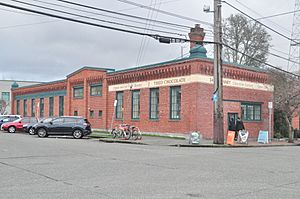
[
  {"x": 263, "y": 137},
  {"x": 230, "y": 138}
]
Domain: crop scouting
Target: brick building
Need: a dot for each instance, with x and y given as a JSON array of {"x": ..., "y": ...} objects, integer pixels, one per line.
[{"x": 168, "y": 97}]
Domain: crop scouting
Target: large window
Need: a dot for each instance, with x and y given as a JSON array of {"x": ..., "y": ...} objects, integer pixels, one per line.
[
  {"x": 135, "y": 108},
  {"x": 154, "y": 102},
  {"x": 51, "y": 106},
  {"x": 175, "y": 102},
  {"x": 25, "y": 107},
  {"x": 61, "y": 106},
  {"x": 251, "y": 112},
  {"x": 18, "y": 107},
  {"x": 78, "y": 92},
  {"x": 96, "y": 90},
  {"x": 119, "y": 107},
  {"x": 32, "y": 108},
  {"x": 42, "y": 107},
  {"x": 5, "y": 96}
]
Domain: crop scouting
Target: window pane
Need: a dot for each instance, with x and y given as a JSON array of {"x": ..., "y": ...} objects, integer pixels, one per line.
[
  {"x": 257, "y": 112},
  {"x": 96, "y": 90},
  {"x": 32, "y": 108},
  {"x": 25, "y": 107},
  {"x": 5, "y": 96},
  {"x": 51, "y": 106},
  {"x": 41, "y": 107},
  {"x": 91, "y": 114},
  {"x": 119, "y": 108},
  {"x": 251, "y": 112},
  {"x": 135, "y": 104},
  {"x": 78, "y": 92},
  {"x": 61, "y": 105},
  {"x": 175, "y": 102},
  {"x": 154, "y": 102},
  {"x": 18, "y": 107}
]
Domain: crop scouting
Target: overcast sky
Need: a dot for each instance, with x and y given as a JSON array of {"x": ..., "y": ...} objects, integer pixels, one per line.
[{"x": 41, "y": 48}]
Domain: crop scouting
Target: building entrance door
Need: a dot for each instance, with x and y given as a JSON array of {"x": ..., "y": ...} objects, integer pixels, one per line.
[{"x": 231, "y": 121}]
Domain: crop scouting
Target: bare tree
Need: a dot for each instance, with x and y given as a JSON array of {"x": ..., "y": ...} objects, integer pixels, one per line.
[
  {"x": 3, "y": 106},
  {"x": 286, "y": 97},
  {"x": 246, "y": 36}
]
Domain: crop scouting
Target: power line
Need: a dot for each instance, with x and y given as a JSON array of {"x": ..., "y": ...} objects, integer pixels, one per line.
[
  {"x": 119, "y": 13},
  {"x": 270, "y": 65},
  {"x": 254, "y": 11},
  {"x": 276, "y": 15},
  {"x": 164, "y": 12},
  {"x": 100, "y": 14},
  {"x": 92, "y": 18},
  {"x": 261, "y": 23},
  {"x": 161, "y": 38}
]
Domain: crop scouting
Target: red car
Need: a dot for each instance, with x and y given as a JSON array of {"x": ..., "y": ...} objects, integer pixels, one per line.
[{"x": 17, "y": 125}]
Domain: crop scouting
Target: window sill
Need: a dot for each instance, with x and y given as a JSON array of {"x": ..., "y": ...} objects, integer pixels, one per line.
[
  {"x": 174, "y": 120},
  {"x": 154, "y": 120},
  {"x": 251, "y": 121},
  {"x": 77, "y": 98}
]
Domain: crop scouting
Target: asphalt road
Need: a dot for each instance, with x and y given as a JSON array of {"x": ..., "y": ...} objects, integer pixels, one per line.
[{"x": 32, "y": 167}]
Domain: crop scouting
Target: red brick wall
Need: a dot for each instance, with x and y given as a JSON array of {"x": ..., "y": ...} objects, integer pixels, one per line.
[{"x": 196, "y": 103}]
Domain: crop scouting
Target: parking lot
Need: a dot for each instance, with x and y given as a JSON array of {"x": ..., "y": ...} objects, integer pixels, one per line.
[{"x": 32, "y": 167}]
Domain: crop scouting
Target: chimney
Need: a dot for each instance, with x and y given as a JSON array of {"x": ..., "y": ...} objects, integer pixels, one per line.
[{"x": 197, "y": 34}]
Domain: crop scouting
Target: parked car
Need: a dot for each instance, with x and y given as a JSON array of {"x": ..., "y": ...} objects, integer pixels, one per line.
[
  {"x": 8, "y": 118},
  {"x": 17, "y": 125},
  {"x": 66, "y": 125},
  {"x": 30, "y": 127}
]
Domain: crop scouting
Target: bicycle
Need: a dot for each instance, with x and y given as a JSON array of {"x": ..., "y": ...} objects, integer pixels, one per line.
[
  {"x": 135, "y": 133},
  {"x": 121, "y": 131}
]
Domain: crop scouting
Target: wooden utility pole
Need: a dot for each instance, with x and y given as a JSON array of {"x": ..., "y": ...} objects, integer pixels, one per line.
[{"x": 218, "y": 128}]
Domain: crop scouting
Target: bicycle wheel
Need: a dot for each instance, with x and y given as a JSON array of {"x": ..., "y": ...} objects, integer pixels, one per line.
[
  {"x": 127, "y": 135},
  {"x": 114, "y": 133},
  {"x": 135, "y": 134}
]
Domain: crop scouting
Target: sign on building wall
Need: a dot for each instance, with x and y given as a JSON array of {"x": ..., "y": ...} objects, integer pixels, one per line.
[{"x": 195, "y": 78}]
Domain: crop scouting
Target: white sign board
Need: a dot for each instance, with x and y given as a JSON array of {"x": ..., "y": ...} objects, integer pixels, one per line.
[{"x": 270, "y": 105}]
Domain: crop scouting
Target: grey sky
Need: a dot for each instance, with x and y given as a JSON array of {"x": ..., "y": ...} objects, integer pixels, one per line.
[{"x": 51, "y": 50}]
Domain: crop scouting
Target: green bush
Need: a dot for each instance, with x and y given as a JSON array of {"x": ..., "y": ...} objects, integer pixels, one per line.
[{"x": 280, "y": 125}]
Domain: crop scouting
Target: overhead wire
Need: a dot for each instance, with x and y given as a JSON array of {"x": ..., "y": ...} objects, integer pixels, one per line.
[
  {"x": 134, "y": 32},
  {"x": 254, "y": 11},
  {"x": 122, "y": 14},
  {"x": 92, "y": 18},
  {"x": 165, "y": 12},
  {"x": 109, "y": 16},
  {"x": 273, "y": 30},
  {"x": 155, "y": 36}
]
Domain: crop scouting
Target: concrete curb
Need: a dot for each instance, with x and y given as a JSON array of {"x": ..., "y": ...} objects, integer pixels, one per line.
[
  {"x": 232, "y": 146},
  {"x": 121, "y": 141}
]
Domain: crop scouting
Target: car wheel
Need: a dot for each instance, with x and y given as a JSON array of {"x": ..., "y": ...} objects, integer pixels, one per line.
[
  {"x": 77, "y": 134},
  {"x": 31, "y": 131},
  {"x": 42, "y": 133},
  {"x": 12, "y": 129}
]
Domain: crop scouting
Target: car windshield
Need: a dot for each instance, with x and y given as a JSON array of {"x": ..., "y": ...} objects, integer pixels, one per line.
[
  {"x": 18, "y": 120},
  {"x": 47, "y": 120}
]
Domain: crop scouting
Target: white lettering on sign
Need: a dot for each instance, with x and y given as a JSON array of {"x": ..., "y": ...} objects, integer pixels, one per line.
[{"x": 195, "y": 78}]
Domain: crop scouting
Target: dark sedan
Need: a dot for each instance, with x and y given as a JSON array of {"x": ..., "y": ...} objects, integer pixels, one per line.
[
  {"x": 30, "y": 128},
  {"x": 75, "y": 126}
]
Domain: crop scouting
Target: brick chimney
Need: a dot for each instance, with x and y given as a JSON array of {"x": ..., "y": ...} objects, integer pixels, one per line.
[{"x": 197, "y": 34}]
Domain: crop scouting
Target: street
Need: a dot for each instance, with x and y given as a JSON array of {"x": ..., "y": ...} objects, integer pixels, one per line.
[{"x": 32, "y": 167}]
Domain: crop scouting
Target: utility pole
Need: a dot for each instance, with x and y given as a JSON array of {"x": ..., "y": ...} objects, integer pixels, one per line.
[{"x": 218, "y": 128}]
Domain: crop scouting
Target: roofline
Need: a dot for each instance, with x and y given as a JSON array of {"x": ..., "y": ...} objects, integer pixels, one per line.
[
  {"x": 90, "y": 68},
  {"x": 41, "y": 84},
  {"x": 150, "y": 66},
  {"x": 6, "y": 80}
]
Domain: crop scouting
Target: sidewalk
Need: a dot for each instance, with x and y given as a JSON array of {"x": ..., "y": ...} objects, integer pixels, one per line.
[{"x": 181, "y": 142}]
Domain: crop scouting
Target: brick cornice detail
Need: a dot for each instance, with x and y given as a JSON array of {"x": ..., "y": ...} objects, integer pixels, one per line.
[{"x": 150, "y": 74}]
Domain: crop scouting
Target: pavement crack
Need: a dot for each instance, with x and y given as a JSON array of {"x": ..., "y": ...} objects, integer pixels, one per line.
[{"x": 35, "y": 173}]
